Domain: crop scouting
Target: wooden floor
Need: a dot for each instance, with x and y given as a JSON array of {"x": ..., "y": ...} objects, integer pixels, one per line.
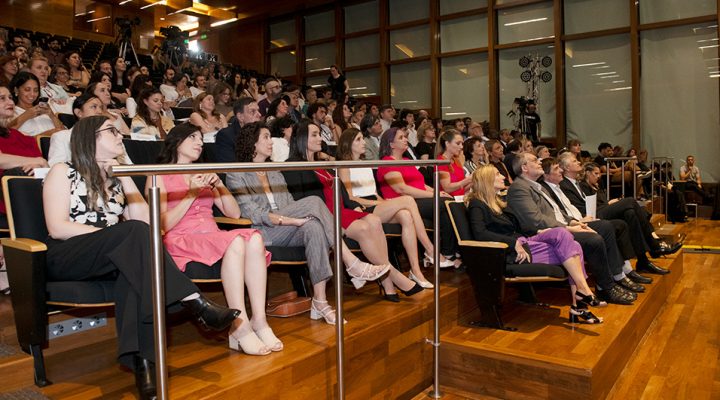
[{"x": 678, "y": 358}]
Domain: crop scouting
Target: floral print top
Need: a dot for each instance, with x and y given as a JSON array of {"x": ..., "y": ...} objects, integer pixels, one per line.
[{"x": 104, "y": 215}]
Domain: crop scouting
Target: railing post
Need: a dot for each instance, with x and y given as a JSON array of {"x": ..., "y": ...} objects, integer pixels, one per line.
[
  {"x": 435, "y": 393},
  {"x": 339, "y": 321},
  {"x": 158, "y": 290}
]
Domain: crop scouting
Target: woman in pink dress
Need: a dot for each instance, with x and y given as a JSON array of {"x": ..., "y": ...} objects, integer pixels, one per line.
[{"x": 191, "y": 234}]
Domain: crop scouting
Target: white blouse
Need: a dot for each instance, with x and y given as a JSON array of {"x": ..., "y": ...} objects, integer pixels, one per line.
[
  {"x": 36, "y": 125},
  {"x": 363, "y": 182}
]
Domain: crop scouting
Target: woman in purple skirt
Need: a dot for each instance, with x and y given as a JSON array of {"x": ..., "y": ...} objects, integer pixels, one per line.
[{"x": 548, "y": 246}]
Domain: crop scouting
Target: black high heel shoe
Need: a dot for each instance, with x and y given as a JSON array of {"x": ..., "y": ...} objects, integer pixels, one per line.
[
  {"x": 580, "y": 315},
  {"x": 145, "y": 378},
  {"x": 415, "y": 289},
  {"x": 589, "y": 300},
  {"x": 211, "y": 315},
  {"x": 394, "y": 298}
]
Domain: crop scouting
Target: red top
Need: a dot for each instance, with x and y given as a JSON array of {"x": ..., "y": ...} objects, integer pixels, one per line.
[
  {"x": 457, "y": 173},
  {"x": 410, "y": 174},
  {"x": 17, "y": 144},
  {"x": 347, "y": 215}
]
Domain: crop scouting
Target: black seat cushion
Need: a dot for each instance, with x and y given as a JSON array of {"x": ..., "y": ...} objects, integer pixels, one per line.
[
  {"x": 196, "y": 270},
  {"x": 287, "y": 253},
  {"x": 554, "y": 271},
  {"x": 143, "y": 152},
  {"x": 27, "y": 205}
]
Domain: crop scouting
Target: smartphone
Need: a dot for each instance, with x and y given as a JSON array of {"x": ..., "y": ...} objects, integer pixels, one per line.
[{"x": 43, "y": 101}]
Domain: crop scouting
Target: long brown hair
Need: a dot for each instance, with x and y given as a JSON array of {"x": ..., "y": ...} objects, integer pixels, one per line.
[
  {"x": 82, "y": 149},
  {"x": 196, "y": 106},
  {"x": 344, "y": 148},
  {"x": 483, "y": 188}
]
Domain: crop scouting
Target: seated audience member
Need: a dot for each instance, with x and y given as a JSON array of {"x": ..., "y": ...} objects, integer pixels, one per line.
[
  {"x": 104, "y": 66},
  {"x": 278, "y": 109},
  {"x": 361, "y": 189},
  {"x": 9, "y": 67},
  {"x": 452, "y": 177},
  {"x": 293, "y": 99},
  {"x": 475, "y": 154},
  {"x": 200, "y": 85},
  {"x": 341, "y": 120},
  {"x": 629, "y": 244},
  {"x": 387, "y": 116},
  {"x": 32, "y": 117},
  {"x": 21, "y": 55},
  {"x": 87, "y": 241},
  {"x": 371, "y": 129},
  {"x": 535, "y": 209},
  {"x": 58, "y": 99},
  {"x": 511, "y": 151},
  {"x": 120, "y": 88},
  {"x": 53, "y": 53},
  {"x": 496, "y": 156},
  {"x": 409, "y": 118},
  {"x": 102, "y": 92},
  {"x": 505, "y": 136},
  {"x": 617, "y": 174},
  {"x": 542, "y": 152},
  {"x": 223, "y": 101},
  {"x": 87, "y": 105},
  {"x": 140, "y": 83},
  {"x": 167, "y": 88},
  {"x": 150, "y": 123},
  {"x": 179, "y": 92},
  {"x": 246, "y": 112},
  {"x": 283, "y": 221},
  {"x": 79, "y": 75},
  {"x": 489, "y": 222},
  {"x": 310, "y": 98},
  {"x": 273, "y": 88},
  {"x": 574, "y": 146},
  {"x": 690, "y": 173},
  {"x": 252, "y": 89},
  {"x": 237, "y": 85},
  {"x": 60, "y": 76},
  {"x": 281, "y": 131},
  {"x": 132, "y": 73},
  {"x": 626, "y": 209},
  {"x": 475, "y": 130},
  {"x": 206, "y": 117},
  {"x": 361, "y": 226},
  {"x": 318, "y": 114},
  {"x": 425, "y": 149},
  {"x": 356, "y": 118},
  {"x": 408, "y": 180},
  {"x": 191, "y": 234},
  {"x": 459, "y": 125}
]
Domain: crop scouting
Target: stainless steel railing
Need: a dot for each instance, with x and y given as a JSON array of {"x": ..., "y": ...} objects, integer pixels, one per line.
[
  {"x": 153, "y": 170},
  {"x": 665, "y": 178},
  {"x": 623, "y": 161}
]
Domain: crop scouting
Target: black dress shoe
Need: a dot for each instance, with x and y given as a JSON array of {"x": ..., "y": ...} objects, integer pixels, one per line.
[
  {"x": 630, "y": 285},
  {"x": 145, "y": 378},
  {"x": 649, "y": 267},
  {"x": 665, "y": 249},
  {"x": 211, "y": 315},
  {"x": 637, "y": 278},
  {"x": 616, "y": 295}
]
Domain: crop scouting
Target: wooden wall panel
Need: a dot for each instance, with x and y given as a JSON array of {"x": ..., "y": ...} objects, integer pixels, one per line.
[{"x": 240, "y": 45}]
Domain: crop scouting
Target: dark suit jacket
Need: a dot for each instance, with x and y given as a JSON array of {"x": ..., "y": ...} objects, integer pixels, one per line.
[
  {"x": 573, "y": 195},
  {"x": 531, "y": 209},
  {"x": 306, "y": 183},
  {"x": 225, "y": 143},
  {"x": 488, "y": 226}
]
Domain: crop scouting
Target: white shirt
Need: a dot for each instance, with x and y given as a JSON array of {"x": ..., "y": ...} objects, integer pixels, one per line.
[
  {"x": 169, "y": 92},
  {"x": 574, "y": 212},
  {"x": 362, "y": 181},
  {"x": 36, "y": 125},
  {"x": 385, "y": 125},
  {"x": 412, "y": 136},
  {"x": 195, "y": 91},
  {"x": 281, "y": 149}
]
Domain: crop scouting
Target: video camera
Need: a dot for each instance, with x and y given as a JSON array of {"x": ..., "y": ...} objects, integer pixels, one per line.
[
  {"x": 522, "y": 103},
  {"x": 125, "y": 24}
]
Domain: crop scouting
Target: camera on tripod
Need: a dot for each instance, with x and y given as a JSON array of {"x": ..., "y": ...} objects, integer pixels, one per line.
[
  {"x": 125, "y": 25},
  {"x": 174, "y": 47},
  {"x": 522, "y": 103}
]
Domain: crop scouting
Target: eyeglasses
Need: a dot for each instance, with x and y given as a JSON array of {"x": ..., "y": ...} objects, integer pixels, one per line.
[{"x": 115, "y": 132}]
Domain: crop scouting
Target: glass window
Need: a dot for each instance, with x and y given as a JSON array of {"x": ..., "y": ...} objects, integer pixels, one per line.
[
  {"x": 521, "y": 24},
  {"x": 512, "y": 86},
  {"x": 361, "y": 17},
  {"x": 409, "y": 43},
  {"x": 283, "y": 63},
  {"x": 410, "y": 85},
  {"x": 664, "y": 10},
  {"x": 319, "y": 57},
  {"x": 465, "y": 87},
  {"x": 408, "y": 10},
  {"x": 365, "y": 83},
  {"x": 679, "y": 99},
  {"x": 93, "y": 16},
  {"x": 362, "y": 50},
  {"x": 455, "y": 6},
  {"x": 598, "y": 91},
  {"x": 320, "y": 26},
  {"x": 282, "y": 34},
  {"x": 463, "y": 33},
  {"x": 592, "y": 15},
  {"x": 317, "y": 81}
]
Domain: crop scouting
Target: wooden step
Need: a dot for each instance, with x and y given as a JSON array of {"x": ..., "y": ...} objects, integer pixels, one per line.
[{"x": 548, "y": 357}]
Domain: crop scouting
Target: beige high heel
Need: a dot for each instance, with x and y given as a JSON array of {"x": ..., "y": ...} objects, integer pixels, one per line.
[
  {"x": 268, "y": 337},
  {"x": 249, "y": 343}
]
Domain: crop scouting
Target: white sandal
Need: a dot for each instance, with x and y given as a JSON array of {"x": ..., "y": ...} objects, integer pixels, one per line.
[
  {"x": 326, "y": 312},
  {"x": 268, "y": 337},
  {"x": 361, "y": 272}
]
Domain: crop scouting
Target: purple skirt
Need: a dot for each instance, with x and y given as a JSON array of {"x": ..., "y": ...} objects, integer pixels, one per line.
[{"x": 554, "y": 246}]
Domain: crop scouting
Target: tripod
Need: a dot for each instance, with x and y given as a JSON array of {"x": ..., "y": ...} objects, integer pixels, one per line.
[{"x": 124, "y": 45}]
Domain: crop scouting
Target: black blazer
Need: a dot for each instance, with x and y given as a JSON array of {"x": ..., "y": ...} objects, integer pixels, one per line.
[
  {"x": 573, "y": 195},
  {"x": 589, "y": 191},
  {"x": 225, "y": 143},
  {"x": 306, "y": 183},
  {"x": 488, "y": 226}
]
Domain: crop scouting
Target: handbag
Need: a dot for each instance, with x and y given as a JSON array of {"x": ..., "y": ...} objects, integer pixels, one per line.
[{"x": 287, "y": 305}]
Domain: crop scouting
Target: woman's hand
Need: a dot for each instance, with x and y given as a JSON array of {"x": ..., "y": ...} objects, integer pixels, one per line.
[
  {"x": 32, "y": 163},
  {"x": 522, "y": 255},
  {"x": 213, "y": 180}
]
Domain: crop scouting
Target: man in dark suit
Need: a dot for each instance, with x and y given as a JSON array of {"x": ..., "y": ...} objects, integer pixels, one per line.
[
  {"x": 535, "y": 210},
  {"x": 246, "y": 111},
  {"x": 642, "y": 235}
]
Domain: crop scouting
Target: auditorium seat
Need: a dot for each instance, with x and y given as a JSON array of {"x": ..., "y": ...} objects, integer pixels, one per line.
[{"x": 488, "y": 271}]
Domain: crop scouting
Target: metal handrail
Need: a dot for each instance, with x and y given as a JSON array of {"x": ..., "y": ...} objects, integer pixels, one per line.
[
  {"x": 156, "y": 259},
  {"x": 624, "y": 161},
  {"x": 660, "y": 175}
]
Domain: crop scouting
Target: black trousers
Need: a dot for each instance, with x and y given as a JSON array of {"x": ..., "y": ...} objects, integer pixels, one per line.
[
  {"x": 448, "y": 242},
  {"x": 601, "y": 252},
  {"x": 123, "y": 251},
  {"x": 640, "y": 230}
]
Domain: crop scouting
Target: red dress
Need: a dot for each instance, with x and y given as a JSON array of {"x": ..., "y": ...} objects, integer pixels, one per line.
[
  {"x": 410, "y": 174},
  {"x": 17, "y": 144},
  {"x": 457, "y": 173},
  {"x": 197, "y": 237},
  {"x": 347, "y": 215}
]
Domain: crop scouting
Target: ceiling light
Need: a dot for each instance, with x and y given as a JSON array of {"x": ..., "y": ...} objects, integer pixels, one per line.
[
  {"x": 588, "y": 64},
  {"x": 527, "y": 21},
  {"x": 158, "y": 3},
  {"x": 223, "y": 22}
]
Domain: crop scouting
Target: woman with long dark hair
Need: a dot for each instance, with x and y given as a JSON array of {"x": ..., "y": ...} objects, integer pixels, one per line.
[
  {"x": 31, "y": 116},
  {"x": 206, "y": 116},
  {"x": 79, "y": 75},
  {"x": 83, "y": 209},
  {"x": 120, "y": 84},
  {"x": 150, "y": 123},
  {"x": 191, "y": 234},
  {"x": 102, "y": 92},
  {"x": 452, "y": 177}
]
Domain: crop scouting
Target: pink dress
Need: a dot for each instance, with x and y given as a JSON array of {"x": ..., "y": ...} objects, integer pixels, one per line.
[
  {"x": 197, "y": 237},
  {"x": 410, "y": 174}
]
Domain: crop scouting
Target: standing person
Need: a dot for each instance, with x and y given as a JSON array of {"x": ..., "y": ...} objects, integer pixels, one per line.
[
  {"x": 83, "y": 208},
  {"x": 339, "y": 85},
  {"x": 191, "y": 234},
  {"x": 533, "y": 123}
]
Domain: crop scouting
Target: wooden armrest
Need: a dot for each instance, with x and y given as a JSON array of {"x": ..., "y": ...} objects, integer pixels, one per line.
[
  {"x": 233, "y": 221},
  {"x": 29, "y": 245},
  {"x": 477, "y": 243}
]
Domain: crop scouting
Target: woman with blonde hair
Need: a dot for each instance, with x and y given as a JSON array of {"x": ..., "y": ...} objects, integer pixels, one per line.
[{"x": 490, "y": 222}]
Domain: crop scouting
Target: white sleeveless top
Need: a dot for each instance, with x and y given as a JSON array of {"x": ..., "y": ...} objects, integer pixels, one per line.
[{"x": 363, "y": 182}]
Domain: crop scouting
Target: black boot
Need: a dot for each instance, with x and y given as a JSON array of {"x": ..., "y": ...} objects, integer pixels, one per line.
[
  {"x": 145, "y": 378},
  {"x": 211, "y": 315}
]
